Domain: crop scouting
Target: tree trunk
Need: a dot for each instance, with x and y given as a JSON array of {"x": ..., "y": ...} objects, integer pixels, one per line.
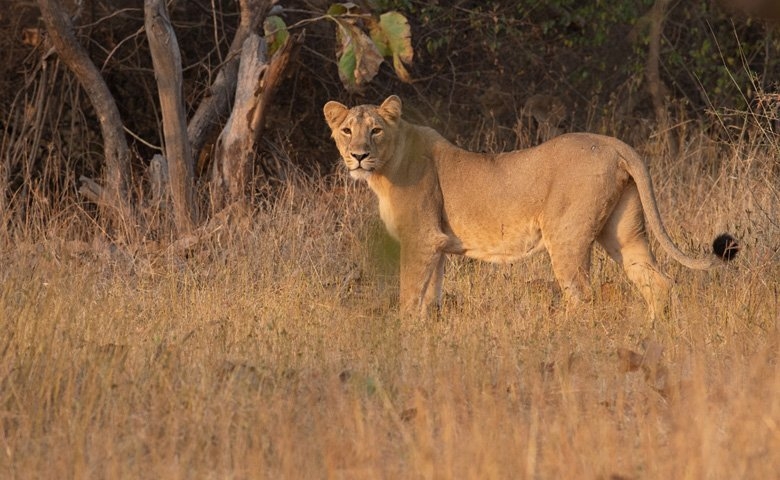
[
  {"x": 166, "y": 60},
  {"x": 216, "y": 105},
  {"x": 658, "y": 90},
  {"x": 113, "y": 196},
  {"x": 257, "y": 79},
  {"x": 654, "y": 83}
]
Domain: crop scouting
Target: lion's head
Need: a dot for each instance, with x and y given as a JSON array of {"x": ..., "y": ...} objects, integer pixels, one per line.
[{"x": 364, "y": 135}]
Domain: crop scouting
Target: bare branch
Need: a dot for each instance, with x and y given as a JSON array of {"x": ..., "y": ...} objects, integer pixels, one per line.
[
  {"x": 216, "y": 105},
  {"x": 257, "y": 79},
  {"x": 91, "y": 190}
]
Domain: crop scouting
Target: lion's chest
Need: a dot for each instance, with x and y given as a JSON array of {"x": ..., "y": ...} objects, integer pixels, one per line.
[{"x": 389, "y": 216}]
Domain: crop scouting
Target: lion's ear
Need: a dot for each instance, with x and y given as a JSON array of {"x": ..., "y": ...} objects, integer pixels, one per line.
[
  {"x": 391, "y": 108},
  {"x": 334, "y": 113}
]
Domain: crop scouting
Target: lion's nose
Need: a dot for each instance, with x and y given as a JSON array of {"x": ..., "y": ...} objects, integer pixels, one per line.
[{"x": 360, "y": 156}]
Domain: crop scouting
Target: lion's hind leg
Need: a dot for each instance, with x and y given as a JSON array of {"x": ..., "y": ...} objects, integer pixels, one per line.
[
  {"x": 625, "y": 240},
  {"x": 571, "y": 266}
]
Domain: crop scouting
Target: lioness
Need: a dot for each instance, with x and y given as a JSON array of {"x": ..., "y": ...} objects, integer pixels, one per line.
[{"x": 436, "y": 198}]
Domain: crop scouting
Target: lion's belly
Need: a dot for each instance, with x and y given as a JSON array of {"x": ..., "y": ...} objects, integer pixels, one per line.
[{"x": 501, "y": 244}]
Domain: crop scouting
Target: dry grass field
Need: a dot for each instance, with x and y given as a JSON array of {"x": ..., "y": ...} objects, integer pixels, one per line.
[{"x": 274, "y": 350}]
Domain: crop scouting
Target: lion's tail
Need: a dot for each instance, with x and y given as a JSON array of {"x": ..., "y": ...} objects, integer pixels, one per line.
[{"x": 724, "y": 247}]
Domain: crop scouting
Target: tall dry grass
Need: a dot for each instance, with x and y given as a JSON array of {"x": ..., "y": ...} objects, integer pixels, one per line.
[{"x": 274, "y": 351}]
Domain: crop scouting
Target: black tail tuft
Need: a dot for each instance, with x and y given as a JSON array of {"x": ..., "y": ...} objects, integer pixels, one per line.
[{"x": 725, "y": 247}]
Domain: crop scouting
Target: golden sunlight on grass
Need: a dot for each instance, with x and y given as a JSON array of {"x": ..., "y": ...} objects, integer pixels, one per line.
[{"x": 276, "y": 352}]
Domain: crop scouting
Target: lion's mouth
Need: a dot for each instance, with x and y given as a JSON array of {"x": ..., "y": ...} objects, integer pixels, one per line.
[
  {"x": 361, "y": 166},
  {"x": 360, "y": 172}
]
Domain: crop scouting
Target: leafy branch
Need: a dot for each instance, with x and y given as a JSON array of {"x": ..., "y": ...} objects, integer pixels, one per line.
[{"x": 363, "y": 42}]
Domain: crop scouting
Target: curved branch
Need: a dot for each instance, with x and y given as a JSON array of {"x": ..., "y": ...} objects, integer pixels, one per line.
[{"x": 117, "y": 153}]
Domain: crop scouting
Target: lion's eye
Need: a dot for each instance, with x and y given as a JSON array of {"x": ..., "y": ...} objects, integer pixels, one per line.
[
  {"x": 346, "y": 131},
  {"x": 376, "y": 131}
]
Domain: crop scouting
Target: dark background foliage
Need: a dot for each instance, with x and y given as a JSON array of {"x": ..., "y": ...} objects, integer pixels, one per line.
[{"x": 476, "y": 63}]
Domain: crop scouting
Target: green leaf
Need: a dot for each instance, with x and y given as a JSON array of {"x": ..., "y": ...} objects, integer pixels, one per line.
[
  {"x": 276, "y": 33},
  {"x": 358, "y": 57},
  {"x": 347, "y": 64},
  {"x": 393, "y": 37}
]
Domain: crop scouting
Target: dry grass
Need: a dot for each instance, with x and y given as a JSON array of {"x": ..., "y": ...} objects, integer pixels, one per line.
[{"x": 275, "y": 352}]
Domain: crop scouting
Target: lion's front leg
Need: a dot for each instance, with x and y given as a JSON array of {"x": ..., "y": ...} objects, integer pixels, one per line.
[
  {"x": 421, "y": 272},
  {"x": 433, "y": 292}
]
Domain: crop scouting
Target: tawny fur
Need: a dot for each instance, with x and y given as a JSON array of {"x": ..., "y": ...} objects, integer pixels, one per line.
[{"x": 563, "y": 195}]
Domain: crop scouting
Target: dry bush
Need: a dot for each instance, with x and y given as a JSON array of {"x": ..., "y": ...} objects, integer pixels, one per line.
[{"x": 273, "y": 350}]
